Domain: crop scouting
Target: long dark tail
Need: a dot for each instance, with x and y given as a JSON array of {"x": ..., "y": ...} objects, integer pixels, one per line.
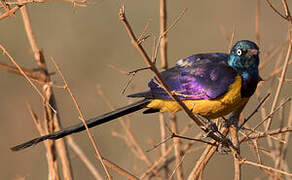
[{"x": 90, "y": 123}]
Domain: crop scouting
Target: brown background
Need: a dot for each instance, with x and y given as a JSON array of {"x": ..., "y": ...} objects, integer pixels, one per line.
[{"x": 84, "y": 41}]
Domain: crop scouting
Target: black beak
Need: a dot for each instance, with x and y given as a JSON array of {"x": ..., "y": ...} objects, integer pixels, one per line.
[{"x": 252, "y": 52}]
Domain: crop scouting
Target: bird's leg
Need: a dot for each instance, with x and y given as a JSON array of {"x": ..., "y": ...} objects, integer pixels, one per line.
[
  {"x": 226, "y": 123},
  {"x": 211, "y": 127},
  {"x": 222, "y": 149}
]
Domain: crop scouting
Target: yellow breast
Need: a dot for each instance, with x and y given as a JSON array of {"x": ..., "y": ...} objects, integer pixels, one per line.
[{"x": 210, "y": 109}]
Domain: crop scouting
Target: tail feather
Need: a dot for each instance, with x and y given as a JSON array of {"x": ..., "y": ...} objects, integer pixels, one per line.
[{"x": 90, "y": 123}]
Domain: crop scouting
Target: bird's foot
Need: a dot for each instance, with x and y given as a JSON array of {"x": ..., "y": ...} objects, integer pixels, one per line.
[
  {"x": 226, "y": 122},
  {"x": 211, "y": 127}
]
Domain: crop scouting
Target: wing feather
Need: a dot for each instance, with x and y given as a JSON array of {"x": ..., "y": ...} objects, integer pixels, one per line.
[{"x": 201, "y": 76}]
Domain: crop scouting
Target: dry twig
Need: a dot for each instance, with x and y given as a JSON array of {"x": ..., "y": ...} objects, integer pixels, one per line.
[{"x": 82, "y": 119}]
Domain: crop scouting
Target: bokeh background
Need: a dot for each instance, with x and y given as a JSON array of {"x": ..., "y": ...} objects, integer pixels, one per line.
[{"x": 84, "y": 40}]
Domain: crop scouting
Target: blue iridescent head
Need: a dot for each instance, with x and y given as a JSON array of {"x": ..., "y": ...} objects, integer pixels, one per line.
[{"x": 244, "y": 58}]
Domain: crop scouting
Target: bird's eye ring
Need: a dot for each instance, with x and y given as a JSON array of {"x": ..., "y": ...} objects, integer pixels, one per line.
[{"x": 239, "y": 52}]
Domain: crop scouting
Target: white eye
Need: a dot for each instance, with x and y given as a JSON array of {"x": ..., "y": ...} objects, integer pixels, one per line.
[{"x": 239, "y": 52}]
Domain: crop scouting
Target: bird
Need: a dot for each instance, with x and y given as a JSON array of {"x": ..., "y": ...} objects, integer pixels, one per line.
[{"x": 211, "y": 85}]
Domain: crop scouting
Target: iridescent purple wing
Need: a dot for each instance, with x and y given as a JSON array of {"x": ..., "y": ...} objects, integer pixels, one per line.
[{"x": 201, "y": 76}]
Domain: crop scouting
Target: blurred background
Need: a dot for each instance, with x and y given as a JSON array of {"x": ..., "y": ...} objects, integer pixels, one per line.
[{"x": 85, "y": 40}]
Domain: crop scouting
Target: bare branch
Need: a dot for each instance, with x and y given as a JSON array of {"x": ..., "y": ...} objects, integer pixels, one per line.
[
  {"x": 82, "y": 119},
  {"x": 265, "y": 167}
]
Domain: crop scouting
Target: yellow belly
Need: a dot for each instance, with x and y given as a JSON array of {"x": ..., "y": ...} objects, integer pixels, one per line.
[{"x": 210, "y": 109}]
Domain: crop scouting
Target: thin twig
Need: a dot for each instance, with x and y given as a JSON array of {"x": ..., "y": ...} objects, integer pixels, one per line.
[
  {"x": 164, "y": 65},
  {"x": 119, "y": 170},
  {"x": 82, "y": 119},
  {"x": 163, "y": 159},
  {"x": 79, "y": 152},
  {"x": 224, "y": 34},
  {"x": 164, "y": 40},
  {"x": 51, "y": 157},
  {"x": 272, "y": 113},
  {"x": 269, "y": 56},
  {"x": 117, "y": 69},
  {"x": 50, "y": 106},
  {"x": 281, "y": 81},
  {"x": 163, "y": 148},
  {"x": 257, "y": 24},
  {"x": 192, "y": 139},
  {"x": 178, "y": 164},
  {"x": 287, "y": 11},
  {"x": 205, "y": 158},
  {"x": 267, "y": 133},
  {"x": 233, "y": 129},
  {"x": 277, "y": 71},
  {"x": 32, "y": 74},
  {"x": 283, "y": 163},
  {"x": 129, "y": 133},
  {"x": 274, "y": 9},
  {"x": 156, "y": 163},
  {"x": 178, "y": 18},
  {"x": 22, "y": 72},
  {"x": 255, "y": 132},
  {"x": 231, "y": 39},
  {"x": 177, "y": 148},
  {"x": 142, "y": 37},
  {"x": 255, "y": 111},
  {"x": 10, "y": 12},
  {"x": 265, "y": 167}
]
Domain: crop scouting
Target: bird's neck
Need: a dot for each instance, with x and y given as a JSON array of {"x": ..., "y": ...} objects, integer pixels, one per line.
[
  {"x": 249, "y": 74},
  {"x": 250, "y": 81}
]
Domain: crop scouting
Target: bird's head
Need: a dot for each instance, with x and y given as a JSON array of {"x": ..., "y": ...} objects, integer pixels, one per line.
[{"x": 244, "y": 57}]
